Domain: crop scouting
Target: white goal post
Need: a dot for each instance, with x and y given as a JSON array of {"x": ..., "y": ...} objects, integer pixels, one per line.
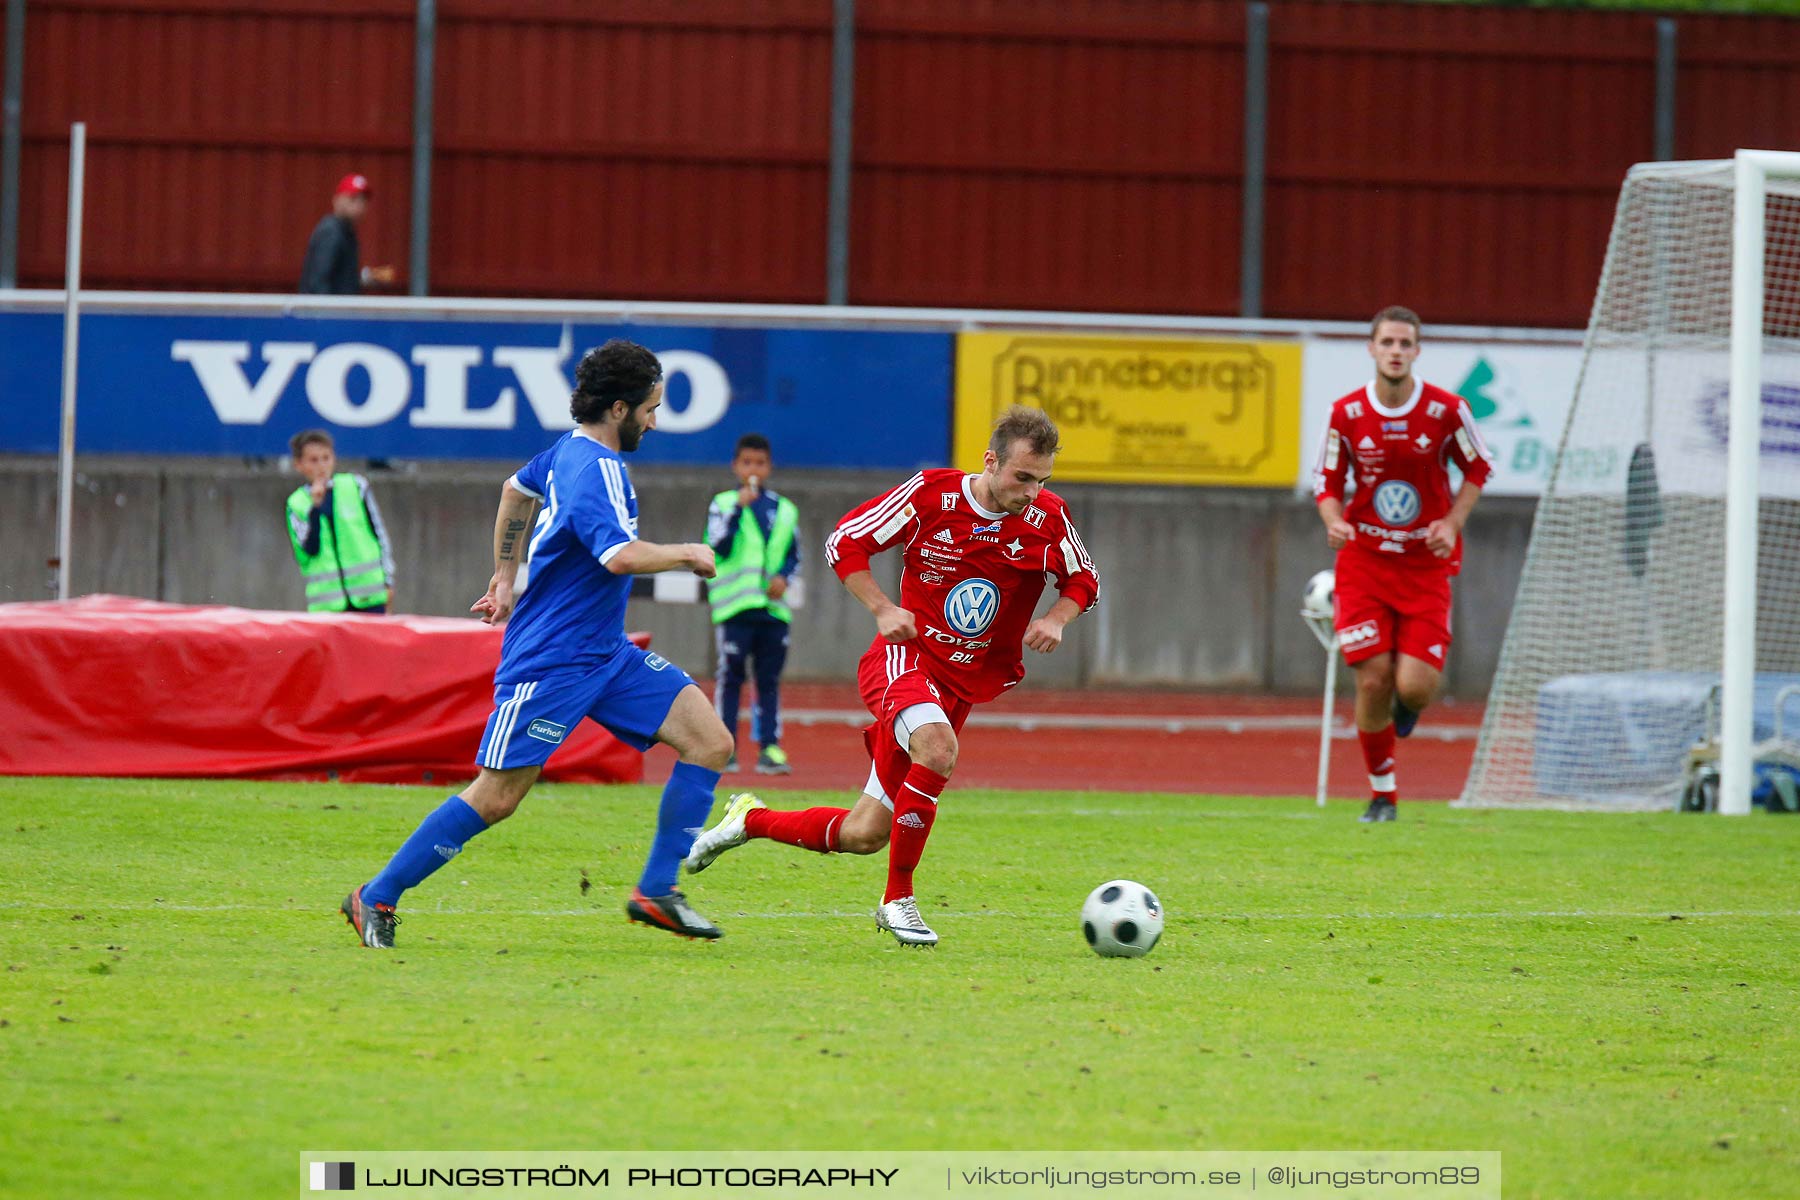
[{"x": 1657, "y": 620}]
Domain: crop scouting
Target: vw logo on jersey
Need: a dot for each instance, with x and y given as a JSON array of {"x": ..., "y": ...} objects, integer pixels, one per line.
[
  {"x": 971, "y": 606},
  {"x": 1397, "y": 503}
]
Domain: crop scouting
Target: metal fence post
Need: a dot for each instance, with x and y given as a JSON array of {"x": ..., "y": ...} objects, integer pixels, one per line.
[
  {"x": 1256, "y": 139},
  {"x": 418, "y": 268},
  {"x": 843, "y": 98},
  {"x": 1666, "y": 46},
  {"x": 14, "y": 89}
]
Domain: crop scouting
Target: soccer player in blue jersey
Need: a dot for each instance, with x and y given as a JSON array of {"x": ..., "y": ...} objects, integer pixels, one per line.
[{"x": 565, "y": 655}]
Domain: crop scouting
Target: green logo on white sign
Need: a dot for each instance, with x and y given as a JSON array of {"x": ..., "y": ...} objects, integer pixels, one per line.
[{"x": 1520, "y": 447}]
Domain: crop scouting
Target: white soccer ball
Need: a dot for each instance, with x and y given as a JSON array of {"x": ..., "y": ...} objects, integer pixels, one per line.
[
  {"x": 1319, "y": 608},
  {"x": 1122, "y": 919},
  {"x": 1321, "y": 596}
]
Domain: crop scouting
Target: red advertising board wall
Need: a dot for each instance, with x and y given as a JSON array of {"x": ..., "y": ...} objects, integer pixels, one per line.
[
  {"x": 635, "y": 149},
  {"x": 215, "y": 133},
  {"x": 1049, "y": 155},
  {"x": 1046, "y": 154},
  {"x": 1739, "y": 85}
]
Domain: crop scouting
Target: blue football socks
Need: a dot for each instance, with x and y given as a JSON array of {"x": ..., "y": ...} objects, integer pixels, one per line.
[
  {"x": 438, "y": 839},
  {"x": 686, "y": 801}
]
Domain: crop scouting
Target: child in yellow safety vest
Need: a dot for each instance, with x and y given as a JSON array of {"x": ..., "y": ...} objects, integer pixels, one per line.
[
  {"x": 346, "y": 560},
  {"x": 752, "y": 533}
]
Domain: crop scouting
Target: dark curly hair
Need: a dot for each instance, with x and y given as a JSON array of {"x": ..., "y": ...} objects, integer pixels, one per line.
[{"x": 619, "y": 370}]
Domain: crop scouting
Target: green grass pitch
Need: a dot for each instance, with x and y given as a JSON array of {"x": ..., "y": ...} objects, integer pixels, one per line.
[{"x": 1611, "y": 1001}]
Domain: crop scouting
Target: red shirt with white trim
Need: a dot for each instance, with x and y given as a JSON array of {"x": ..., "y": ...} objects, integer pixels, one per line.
[
  {"x": 970, "y": 577},
  {"x": 1400, "y": 457}
]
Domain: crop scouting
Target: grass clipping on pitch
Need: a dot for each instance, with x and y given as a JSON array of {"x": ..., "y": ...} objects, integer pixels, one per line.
[{"x": 1609, "y": 1000}]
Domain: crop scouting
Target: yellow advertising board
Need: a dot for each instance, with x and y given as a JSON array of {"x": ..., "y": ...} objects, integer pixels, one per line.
[{"x": 1139, "y": 409}]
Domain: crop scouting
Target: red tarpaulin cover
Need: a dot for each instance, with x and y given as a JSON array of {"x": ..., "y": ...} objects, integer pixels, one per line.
[{"x": 109, "y": 685}]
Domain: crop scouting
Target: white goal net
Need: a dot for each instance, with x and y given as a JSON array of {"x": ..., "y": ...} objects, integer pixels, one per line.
[{"x": 1611, "y": 667}]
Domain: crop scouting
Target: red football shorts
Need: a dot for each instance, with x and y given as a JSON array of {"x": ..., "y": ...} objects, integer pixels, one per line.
[
  {"x": 1384, "y": 605},
  {"x": 892, "y": 678}
]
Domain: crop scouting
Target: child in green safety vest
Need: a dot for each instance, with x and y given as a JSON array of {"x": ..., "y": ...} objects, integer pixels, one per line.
[
  {"x": 346, "y": 561},
  {"x": 751, "y": 530}
]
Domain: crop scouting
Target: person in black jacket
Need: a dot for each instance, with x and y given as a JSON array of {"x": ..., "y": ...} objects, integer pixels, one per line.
[{"x": 333, "y": 260}]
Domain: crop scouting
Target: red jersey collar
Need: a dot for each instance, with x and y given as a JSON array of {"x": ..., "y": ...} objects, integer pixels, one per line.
[
  {"x": 1383, "y": 410},
  {"x": 975, "y": 505}
]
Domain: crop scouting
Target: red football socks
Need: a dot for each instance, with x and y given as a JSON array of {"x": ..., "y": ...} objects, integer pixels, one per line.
[
  {"x": 814, "y": 829},
  {"x": 1378, "y": 756},
  {"x": 914, "y": 810}
]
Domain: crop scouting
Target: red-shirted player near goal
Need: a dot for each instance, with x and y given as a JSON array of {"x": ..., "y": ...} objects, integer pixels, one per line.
[
  {"x": 976, "y": 553},
  {"x": 1400, "y": 541}
]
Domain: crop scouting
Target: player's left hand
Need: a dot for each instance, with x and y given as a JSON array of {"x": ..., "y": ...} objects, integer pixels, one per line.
[
  {"x": 700, "y": 560},
  {"x": 1044, "y": 635},
  {"x": 778, "y": 587},
  {"x": 1441, "y": 535}
]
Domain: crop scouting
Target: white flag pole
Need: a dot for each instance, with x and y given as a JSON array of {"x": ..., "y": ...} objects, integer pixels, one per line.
[
  {"x": 1321, "y": 594},
  {"x": 1331, "y": 661},
  {"x": 65, "y": 491}
]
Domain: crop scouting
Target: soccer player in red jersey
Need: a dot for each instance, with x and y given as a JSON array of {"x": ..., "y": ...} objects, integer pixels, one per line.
[
  {"x": 976, "y": 552},
  {"x": 1399, "y": 541}
]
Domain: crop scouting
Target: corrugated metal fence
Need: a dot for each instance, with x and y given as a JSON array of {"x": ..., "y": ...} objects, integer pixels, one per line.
[{"x": 1293, "y": 159}]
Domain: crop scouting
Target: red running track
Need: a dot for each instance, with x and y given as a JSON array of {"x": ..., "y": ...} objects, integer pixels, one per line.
[{"x": 1120, "y": 741}]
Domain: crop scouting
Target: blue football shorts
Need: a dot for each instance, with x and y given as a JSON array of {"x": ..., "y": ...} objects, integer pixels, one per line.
[{"x": 630, "y": 695}]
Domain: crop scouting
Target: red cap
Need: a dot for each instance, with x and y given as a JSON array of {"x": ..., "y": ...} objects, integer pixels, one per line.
[{"x": 352, "y": 185}]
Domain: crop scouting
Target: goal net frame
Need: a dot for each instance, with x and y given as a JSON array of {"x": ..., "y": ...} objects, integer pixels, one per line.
[{"x": 1751, "y": 175}]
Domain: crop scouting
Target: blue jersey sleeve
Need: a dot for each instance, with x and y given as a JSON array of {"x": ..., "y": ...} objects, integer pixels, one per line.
[
  {"x": 534, "y": 477},
  {"x": 603, "y": 511}
]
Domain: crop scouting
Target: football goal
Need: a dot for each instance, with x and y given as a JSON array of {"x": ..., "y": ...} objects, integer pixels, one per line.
[{"x": 1655, "y": 635}]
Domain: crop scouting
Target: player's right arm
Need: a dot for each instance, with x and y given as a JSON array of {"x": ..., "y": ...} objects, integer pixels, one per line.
[
  {"x": 519, "y": 498},
  {"x": 1338, "y": 532},
  {"x": 893, "y": 623},
  {"x": 511, "y": 523},
  {"x": 1329, "y": 473},
  {"x": 866, "y": 530}
]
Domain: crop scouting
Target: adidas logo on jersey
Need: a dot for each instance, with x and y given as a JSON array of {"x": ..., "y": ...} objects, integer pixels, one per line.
[
  {"x": 1368, "y": 443},
  {"x": 943, "y": 535}
]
